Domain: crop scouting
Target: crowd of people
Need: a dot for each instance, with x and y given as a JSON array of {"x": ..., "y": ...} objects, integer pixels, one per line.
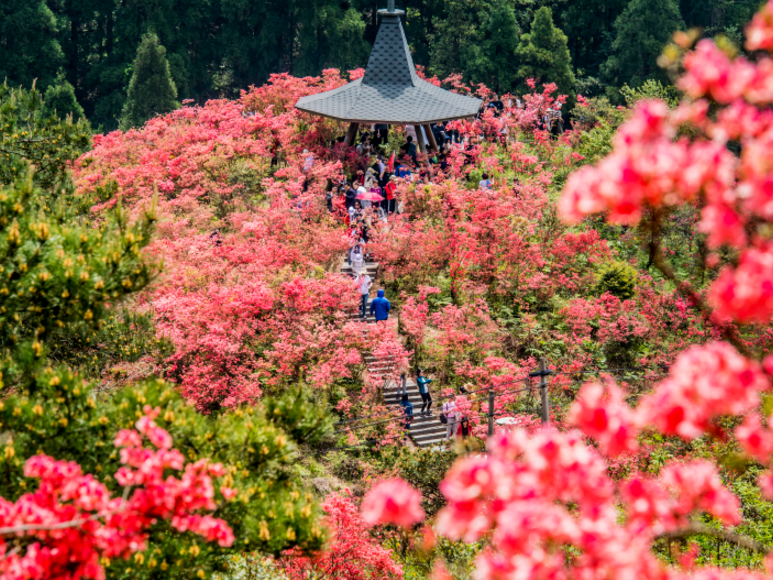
[
  {"x": 369, "y": 195},
  {"x": 457, "y": 423}
]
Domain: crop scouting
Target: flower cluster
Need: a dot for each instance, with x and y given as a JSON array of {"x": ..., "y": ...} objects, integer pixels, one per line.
[
  {"x": 63, "y": 529},
  {"x": 392, "y": 502}
]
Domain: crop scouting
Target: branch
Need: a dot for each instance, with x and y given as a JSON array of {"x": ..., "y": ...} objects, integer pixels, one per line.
[
  {"x": 64, "y": 525},
  {"x": 698, "y": 528},
  {"x": 47, "y": 527},
  {"x": 729, "y": 332}
]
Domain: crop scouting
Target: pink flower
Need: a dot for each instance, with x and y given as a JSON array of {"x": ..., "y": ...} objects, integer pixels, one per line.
[
  {"x": 745, "y": 293},
  {"x": 601, "y": 412},
  {"x": 392, "y": 502},
  {"x": 759, "y": 34},
  {"x": 756, "y": 439},
  {"x": 704, "y": 382}
]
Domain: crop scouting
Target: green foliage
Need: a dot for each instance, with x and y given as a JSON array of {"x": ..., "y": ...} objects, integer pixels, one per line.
[
  {"x": 216, "y": 49},
  {"x": 29, "y": 134},
  {"x": 272, "y": 511},
  {"x": 151, "y": 91},
  {"x": 478, "y": 40},
  {"x": 544, "y": 55},
  {"x": 588, "y": 25},
  {"x": 595, "y": 111},
  {"x": 642, "y": 31},
  {"x": 650, "y": 89},
  {"x": 60, "y": 100},
  {"x": 618, "y": 279},
  {"x": 58, "y": 277},
  {"x": 29, "y": 50},
  {"x": 425, "y": 469}
]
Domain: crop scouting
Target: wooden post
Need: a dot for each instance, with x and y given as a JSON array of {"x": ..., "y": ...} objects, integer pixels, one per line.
[
  {"x": 543, "y": 387},
  {"x": 431, "y": 138},
  {"x": 351, "y": 134},
  {"x": 491, "y": 413},
  {"x": 420, "y": 138}
]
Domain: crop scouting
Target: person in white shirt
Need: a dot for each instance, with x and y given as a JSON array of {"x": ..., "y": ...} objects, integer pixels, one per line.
[
  {"x": 364, "y": 283},
  {"x": 484, "y": 183},
  {"x": 364, "y": 202},
  {"x": 308, "y": 161},
  {"x": 358, "y": 260},
  {"x": 449, "y": 410}
]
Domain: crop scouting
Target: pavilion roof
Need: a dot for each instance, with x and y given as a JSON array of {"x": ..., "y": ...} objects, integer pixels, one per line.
[{"x": 390, "y": 91}]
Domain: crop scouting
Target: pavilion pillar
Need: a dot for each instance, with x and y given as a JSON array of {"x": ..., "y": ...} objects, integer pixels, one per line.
[
  {"x": 420, "y": 137},
  {"x": 431, "y": 138},
  {"x": 351, "y": 134}
]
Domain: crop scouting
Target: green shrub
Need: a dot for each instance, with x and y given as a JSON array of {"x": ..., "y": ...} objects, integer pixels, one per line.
[{"x": 619, "y": 279}]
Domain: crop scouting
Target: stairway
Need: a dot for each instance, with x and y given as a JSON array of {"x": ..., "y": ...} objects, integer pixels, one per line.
[
  {"x": 425, "y": 431},
  {"x": 371, "y": 269}
]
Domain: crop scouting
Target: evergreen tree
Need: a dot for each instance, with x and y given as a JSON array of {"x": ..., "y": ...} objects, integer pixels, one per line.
[
  {"x": 589, "y": 26},
  {"x": 60, "y": 100},
  {"x": 500, "y": 70},
  {"x": 29, "y": 49},
  {"x": 544, "y": 54},
  {"x": 329, "y": 37},
  {"x": 456, "y": 43},
  {"x": 151, "y": 90},
  {"x": 642, "y": 31},
  {"x": 478, "y": 40},
  {"x": 32, "y": 138}
]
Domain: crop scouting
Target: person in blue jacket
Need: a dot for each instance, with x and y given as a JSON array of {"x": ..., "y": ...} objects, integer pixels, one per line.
[
  {"x": 380, "y": 307},
  {"x": 407, "y": 406}
]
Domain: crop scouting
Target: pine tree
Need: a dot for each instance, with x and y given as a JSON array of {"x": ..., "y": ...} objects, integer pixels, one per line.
[
  {"x": 60, "y": 100},
  {"x": 501, "y": 41},
  {"x": 642, "y": 31},
  {"x": 544, "y": 54},
  {"x": 151, "y": 90},
  {"x": 29, "y": 49}
]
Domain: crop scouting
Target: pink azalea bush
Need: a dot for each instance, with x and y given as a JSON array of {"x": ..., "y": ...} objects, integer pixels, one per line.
[
  {"x": 72, "y": 521},
  {"x": 392, "y": 502},
  {"x": 352, "y": 553}
]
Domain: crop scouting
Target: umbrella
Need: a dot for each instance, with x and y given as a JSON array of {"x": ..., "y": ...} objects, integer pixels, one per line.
[{"x": 370, "y": 196}]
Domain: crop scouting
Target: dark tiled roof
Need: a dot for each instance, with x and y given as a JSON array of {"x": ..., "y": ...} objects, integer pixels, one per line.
[{"x": 391, "y": 91}]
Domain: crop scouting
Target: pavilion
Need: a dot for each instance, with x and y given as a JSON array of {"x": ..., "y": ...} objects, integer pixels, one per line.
[{"x": 390, "y": 92}]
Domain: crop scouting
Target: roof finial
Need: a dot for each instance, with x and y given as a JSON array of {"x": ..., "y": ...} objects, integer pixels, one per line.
[{"x": 391, "y": 5}]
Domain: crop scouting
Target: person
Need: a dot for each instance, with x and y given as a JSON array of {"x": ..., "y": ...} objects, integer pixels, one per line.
[
  {"x": 358, "y": 261},
  {"x": 380, "y": 307},
  {"x": 358, "y": 210},
  {"x": 407, "y": 406},
  {"x": 449, "y": 410},
  {"x": 363, "y": 283},
  {"x": 402, "y": 171},
  {"x": 485, "y": 183},
  {"x": 410, "y": 148},
  {"x": 390, "y": 189},
  {"x": 329, "y": 196},
  {"x": 426, "y": 398},
  {"x": 464, "y": 428},
  {"x": 402, "y": 385},
  {"x": 363, "y": 202},
  {"x": 308, "y": 161},
  {"x": 351, "y": 197}
]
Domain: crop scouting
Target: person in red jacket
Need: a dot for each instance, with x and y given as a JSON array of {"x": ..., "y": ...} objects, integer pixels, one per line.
[{"x": 391, "y": 189}]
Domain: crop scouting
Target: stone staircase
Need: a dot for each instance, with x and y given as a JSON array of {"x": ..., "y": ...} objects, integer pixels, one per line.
[{"x": 425, "y": 431}]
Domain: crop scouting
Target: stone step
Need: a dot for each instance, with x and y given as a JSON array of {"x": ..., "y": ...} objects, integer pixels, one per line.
[
  {"x": 428, "y": 434},
  {"x": 369, "y": 319},
  {"x": 424, "y": 429},
  {"x": 409, "y": 383},
  {"x": 436, "y": 444}
]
